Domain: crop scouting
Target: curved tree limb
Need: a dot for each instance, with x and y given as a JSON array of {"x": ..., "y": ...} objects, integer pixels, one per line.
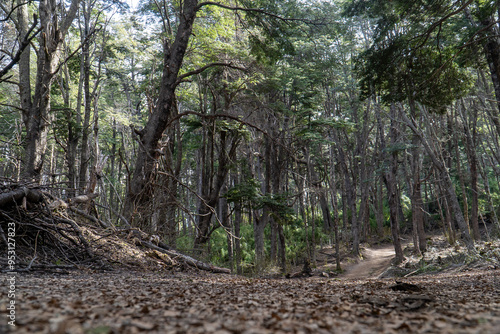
[
  {"x": 26, "y": 41},
  {"x": 181, "y": 78}
]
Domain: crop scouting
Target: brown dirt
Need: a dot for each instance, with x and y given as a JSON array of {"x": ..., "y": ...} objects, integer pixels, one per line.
[
  {"x": 375, "y": 261},
  {"x": 145, "y": 302}
]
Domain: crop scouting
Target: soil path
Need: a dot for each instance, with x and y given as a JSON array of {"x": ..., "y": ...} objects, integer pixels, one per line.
[{"x": 375, "y": 262}]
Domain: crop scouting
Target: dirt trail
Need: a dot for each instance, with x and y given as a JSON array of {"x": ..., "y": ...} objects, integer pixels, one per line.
[{"x": 375, "y": 262}]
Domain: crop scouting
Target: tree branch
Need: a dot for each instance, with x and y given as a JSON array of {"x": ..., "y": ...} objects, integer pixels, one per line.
[
  {"x": 178, "y": 116},
  {"x": 9, "y": 12},
  {"x": 438, "y": 23},
  {"x": 181, "y": 78},
  {"x": 26, "y": 41},
  {"x": 242, "y": 9}
]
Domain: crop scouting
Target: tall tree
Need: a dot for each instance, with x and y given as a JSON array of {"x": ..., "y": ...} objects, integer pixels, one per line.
[
  {"x": 409, "y": 62},
  {"x": 55, "y": 21},
  {"x": 174, "y": 49}
]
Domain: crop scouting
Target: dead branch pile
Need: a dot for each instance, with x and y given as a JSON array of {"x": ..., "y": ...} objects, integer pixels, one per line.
[
  {"x": 47, "y": 233},
  {"x": 37, "y": 237}
]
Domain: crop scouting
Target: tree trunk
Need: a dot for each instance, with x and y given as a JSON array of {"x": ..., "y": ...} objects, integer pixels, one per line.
[
  {"x": 417, "y": 204},
  {"x": 491, "y": 205},
  {"x": 208, "y": 204},
  {"x": 281, "y": 248},
  {"x": 393, "y": 196},
  {"x": 237, "y": 242},
  {"x": 336, "y": 220},
  {"x": 492, "y": 51},
  {"x": 87, "y": 98},
  {"x": 24, "y": 62},
  {"x": 72, "y": 120},
  {"x": 158, "y": 120},
  {"x": 379, "y": 208},
  {"x": 270, "y": 180},
  {"x": 390, "y": 180},
  {"x": 39, "y": 117},
  {"x": 224, "y": 219},
  {"x": 447, "y": 183},
  {"x": 350, "y": 193},
  {"x": 173, "y": 167},
  {"x": 469, "y": 125},
  {"x": 112, "y": 163},
  {"x": 258, "y": 233},
  {"x": 321, "y": 192}
]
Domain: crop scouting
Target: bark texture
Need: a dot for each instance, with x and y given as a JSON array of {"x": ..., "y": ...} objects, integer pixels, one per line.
[
  {"x": 150, "y": 136},
  {"x": 38, "y": 117}
]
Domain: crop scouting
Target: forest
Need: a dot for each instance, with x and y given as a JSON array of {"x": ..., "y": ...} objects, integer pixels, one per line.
[{"x": 251, "y": 138}]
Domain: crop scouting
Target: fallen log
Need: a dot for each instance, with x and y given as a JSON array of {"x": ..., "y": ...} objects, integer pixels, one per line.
[
  {"x": 16, "y": 196},
  {"x": 187, "y": 259}
]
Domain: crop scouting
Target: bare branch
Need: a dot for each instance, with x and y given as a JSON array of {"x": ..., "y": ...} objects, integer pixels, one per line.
[
  {"x": 11, "y": 10},
  {"x": 26, "y": 41},
  {"x": 181, "y": 78},
  {"x": 178, "y": 116},
  {"x": 255, "y": 10},
  {"x": 438, "y": 23}
]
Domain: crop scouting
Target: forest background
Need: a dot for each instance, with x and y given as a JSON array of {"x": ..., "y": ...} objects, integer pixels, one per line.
[{"x": 250, "y": 133}]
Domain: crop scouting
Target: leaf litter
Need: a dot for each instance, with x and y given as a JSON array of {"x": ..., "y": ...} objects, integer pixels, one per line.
[
  {"x": 148, "y": 292},
  {"x": 179, "y": 302}
]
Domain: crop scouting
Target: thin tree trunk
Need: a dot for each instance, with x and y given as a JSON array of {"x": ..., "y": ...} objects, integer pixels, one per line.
[
  {"x": 281, "y": 248},
  {"x": 208, "y": 204},
  {"x": 447, "y": 183},
  {"x": 336, "y": 220},
  {"x": 87, "y": 98},
  {"x": 492, "y": 51},
  {"x": 24, "y": 61},
  {"x": 486, "y": 182},
  {"x": 224, "y": 219},
  {"x": 112, "y": 163},
  {"x": 258, "y": 232},
  {"x": 350, "y": 192},
  {"x": 470, "y": 149},
  {"x": 39, "y": 117},
  {"x": 416, "y": 190},
  {"x": 237, "y": 242},
  {"x": 390, "y": 180},
  {"x": 393, "y": 192},
  {"x": 379, "y": 208}
]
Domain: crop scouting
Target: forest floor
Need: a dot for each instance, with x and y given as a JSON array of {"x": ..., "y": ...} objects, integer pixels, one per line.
[
  {"x": 375, "y": 261},
  {"x": 72, "y": 275},
  {"x": 460, "y": 299}
]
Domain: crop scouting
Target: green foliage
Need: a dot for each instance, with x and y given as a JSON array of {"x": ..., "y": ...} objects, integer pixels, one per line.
[
  {"x": 249, "y": 194},
  {"x": 184, "y": 242},
  {"x": 406, "y": 61},
  {"x": 219, "y": 251},
  {"x": 315, "y": 130},
  {"x": 244, "y": 192},
  {"x": 297, "y": 238},
  {"x": 191, "y": 123},
  {"x": 424, "y": 75},
  {"x": 270, "y": 37},
  {"x": 278, "y": 205}
]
